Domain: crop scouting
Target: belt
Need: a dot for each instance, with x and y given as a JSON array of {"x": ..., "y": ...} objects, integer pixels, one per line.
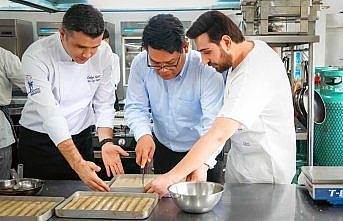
[{"x": 6, "y": 112}]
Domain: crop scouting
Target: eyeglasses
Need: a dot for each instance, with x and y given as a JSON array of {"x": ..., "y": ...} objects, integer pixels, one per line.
[{"x": 159, "y": 67}]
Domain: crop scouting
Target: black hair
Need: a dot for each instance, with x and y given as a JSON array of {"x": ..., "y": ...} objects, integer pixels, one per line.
[
  {"x": 215, "y": 24},
  {"x": 106, "y": 34},
  {"x": 164, "y": 32},
  {"x": 84, "y": 18}
]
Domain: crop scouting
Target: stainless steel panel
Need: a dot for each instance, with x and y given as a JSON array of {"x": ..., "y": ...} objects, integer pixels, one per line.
[
  {"x": 333, "y": 42},
  {"x": 7, "y": 22},
  {"x": 10, "y": 44},
  {"x": 285, "y": 40},
  {"x": 132, "y": 154},
  {"x": 21, "y": 32},
  {"x": 111, "y": 30},
  {"x": 105, "y": 214},
  {"x": 324, "y": 174},
  {"x": 131, "y": 46},
  {"x": 45, "y": 216},
  {"x": 47, "y": 28},
  {"x": 334, "y": 20},
  {"x": 7, "y": 31}
]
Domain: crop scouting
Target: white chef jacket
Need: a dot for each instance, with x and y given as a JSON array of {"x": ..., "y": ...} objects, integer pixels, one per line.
[
  {"x": 64, "y": 97},
  {"x": 116, "y": 72},
  {"x": 258, "y": 95},
  {"x": 11, "y": 73}
]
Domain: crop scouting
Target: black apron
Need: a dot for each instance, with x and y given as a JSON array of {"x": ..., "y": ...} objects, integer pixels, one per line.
[
  {"x": 6, "y": 112},
  {"x": 165, "y": 159},
  {"x": 43, "y": 160}
]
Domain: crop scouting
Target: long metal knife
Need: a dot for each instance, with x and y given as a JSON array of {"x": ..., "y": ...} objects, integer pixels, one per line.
[{"x": 143, "y": 172}]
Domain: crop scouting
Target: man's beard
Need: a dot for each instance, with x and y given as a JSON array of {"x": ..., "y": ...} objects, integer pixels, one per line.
[{"x": 221, "y": 67}]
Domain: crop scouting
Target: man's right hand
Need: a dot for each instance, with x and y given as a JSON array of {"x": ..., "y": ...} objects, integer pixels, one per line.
[
  {"x": 87, "y": 173},
  {"x": 145, "y": 150},
  {"x": 86, "y": 170}
]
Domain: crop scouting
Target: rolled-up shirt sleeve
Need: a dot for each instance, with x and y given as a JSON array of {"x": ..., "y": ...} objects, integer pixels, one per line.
[
  {"x": 212, "y": 92},
  {"x": 44, "y": 103},
  {"x": 137, "y": 101},
  {"x": 104, "y": 98}
]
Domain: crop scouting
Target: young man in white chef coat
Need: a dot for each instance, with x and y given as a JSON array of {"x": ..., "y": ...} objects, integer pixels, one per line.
[
  {"x": 10, "y": 74},
  {"x": 257, "y": 114},
  {"x": 69, "y": 89},
  {"x": 116, "y": 72}
]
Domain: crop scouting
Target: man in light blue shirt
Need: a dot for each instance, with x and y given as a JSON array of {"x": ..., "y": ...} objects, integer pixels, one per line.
[{"x": 183, "y": 94}]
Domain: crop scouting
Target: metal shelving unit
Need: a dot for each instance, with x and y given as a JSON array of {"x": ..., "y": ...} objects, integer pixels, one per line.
[
  {"x": 285, "y": 40},
  {"x": 291, "y": 41}
]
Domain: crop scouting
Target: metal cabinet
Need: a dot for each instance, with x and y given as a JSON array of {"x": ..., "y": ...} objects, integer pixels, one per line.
[
  {"x": 131, "y": 46},
  {"x": 334, "y": 43},
  {"x": 15, "y": 35}
]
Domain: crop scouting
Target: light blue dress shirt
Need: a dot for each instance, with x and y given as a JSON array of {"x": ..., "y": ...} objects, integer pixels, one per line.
[{"x": 183, "y": 108}]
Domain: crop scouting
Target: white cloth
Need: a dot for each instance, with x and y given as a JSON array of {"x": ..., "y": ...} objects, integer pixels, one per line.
[
  {"x": 11, "y": 73},
  {"x": 258, "y": 95},
  {"x": 116, "y": 72},
  {"x": 64, "y": 97}
]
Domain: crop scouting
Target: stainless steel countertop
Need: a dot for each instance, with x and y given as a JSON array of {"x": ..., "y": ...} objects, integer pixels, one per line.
[{"x": 241, "y": 202}]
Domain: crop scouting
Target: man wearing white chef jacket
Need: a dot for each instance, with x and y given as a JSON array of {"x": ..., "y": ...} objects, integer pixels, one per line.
[
  {"x": 69, "y": 89},
  {"x": 116, "y": 72},
  {"x": 257, "y": 114},
  {"x": 11, "y": 73}
]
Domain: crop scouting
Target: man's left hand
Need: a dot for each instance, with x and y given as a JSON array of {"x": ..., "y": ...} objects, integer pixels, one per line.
[
  {"x": 111, "y": 157},
  {"x": 199, "y": 174}
]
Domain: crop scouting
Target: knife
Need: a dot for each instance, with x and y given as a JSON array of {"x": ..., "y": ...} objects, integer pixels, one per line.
[{"x": 143, "y": 172}]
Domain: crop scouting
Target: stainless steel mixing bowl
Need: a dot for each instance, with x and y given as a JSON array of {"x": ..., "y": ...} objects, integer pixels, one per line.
[{"x": 196, "y": 197}]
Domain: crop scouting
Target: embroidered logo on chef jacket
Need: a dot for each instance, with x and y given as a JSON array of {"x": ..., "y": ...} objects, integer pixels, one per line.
[
  {"x": 246, "y": 143},
  {"x": 30, "y": 84},
  {"x": 93, "y": 78}
]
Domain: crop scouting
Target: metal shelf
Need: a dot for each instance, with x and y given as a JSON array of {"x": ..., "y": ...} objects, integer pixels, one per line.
[
  {"x": 301, "y": 135},
  {"x": 300, "y": 130},
  {"x": 285, "y": 40}
]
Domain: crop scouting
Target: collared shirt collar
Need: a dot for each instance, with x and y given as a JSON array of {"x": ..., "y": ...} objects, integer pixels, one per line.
[
  {"x": 64, "y": 55},
  {"x": 185, "y": 66}
]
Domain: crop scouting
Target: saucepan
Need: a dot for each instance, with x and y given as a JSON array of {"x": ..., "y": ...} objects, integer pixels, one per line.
[
  {"x": 20, "y": 186},
  {"x": 24, "y": 187},
  {"x": 301, "y": 99}
]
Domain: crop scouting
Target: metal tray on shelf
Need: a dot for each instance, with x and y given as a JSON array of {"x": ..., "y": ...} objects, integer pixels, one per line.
[
  {"x": 130, "y": 182},
  {"x": 107, "y": 205},
  {"x": 15, "y": 208}
]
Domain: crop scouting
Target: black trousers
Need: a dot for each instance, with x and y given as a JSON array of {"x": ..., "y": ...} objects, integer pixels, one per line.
[
  {"x": 165, "y": 159},
  {"x": 43, "y": 160}
]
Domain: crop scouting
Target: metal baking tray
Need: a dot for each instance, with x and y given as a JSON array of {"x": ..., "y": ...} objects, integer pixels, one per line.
[
  {"x": 100, "y": 209},
  {"x": 138, "y": 188},
  {"x": 26, "y": 209}
]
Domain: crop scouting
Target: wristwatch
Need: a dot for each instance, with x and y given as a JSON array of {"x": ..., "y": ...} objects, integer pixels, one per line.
[{"x": 106, "y": 140}]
